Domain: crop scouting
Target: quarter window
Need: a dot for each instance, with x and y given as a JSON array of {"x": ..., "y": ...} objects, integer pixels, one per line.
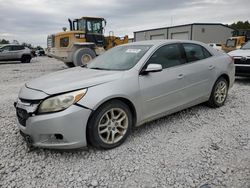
[
  {"x": 168, "y": 56},
  {"x": 195, "y": 52}
]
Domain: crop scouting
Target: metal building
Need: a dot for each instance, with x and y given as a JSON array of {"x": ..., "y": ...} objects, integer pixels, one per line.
[{"x": 204, "y": 32}]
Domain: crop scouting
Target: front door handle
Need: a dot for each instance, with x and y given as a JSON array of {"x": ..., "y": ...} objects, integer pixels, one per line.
[
  {"x": 180, "y": 76},
  {"x": 211, "y": 67}
]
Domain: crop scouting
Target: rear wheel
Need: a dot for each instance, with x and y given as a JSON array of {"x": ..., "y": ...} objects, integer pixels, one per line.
[
  {"x": 25, "y": 59},
  {"x": 219, "y": 93},
  {"x": 110, "y": 125},
  {"x": 83, "y": 56}
]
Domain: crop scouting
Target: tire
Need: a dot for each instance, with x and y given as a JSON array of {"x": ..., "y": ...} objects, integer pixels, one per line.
[
  {"x": 69, "y": 64},
  {"x": 219, "y": 93},
  {"x": 83, "y": 56},
  {"x": 25, "y": 59},
  {"x": 107, "y": 131}
]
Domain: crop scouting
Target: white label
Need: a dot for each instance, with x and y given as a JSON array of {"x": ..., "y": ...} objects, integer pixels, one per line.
[{"x": 135, "y": 51}]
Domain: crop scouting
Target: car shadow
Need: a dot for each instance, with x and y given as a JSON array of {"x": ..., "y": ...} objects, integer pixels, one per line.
[{"x": 9, "y": 62}]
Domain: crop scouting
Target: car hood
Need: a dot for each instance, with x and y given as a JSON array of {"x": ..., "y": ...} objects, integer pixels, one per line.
[
  {"x": 72, "y": 79},
  {"x": 240, "y": 52}
]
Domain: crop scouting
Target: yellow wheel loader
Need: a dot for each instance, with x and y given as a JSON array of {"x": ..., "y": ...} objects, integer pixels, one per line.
[
  {"x": 235, "y": 42},
  {"x": 83, "y": 42}
]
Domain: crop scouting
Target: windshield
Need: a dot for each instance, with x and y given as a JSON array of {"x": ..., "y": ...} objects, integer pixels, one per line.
[
  {"x": 119, "y": 58},
  {"x": 246, "y": 46},
  {"x": 231, "y": 43}
]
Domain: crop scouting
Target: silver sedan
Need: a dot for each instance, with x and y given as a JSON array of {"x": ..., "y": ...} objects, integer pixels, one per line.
[{"x": 98, "y": 104}]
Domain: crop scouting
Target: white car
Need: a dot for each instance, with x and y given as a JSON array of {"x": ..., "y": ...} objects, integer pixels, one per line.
[
  {"x": 242, "y": 60},
  {"x": 99, "y": 104},
  {"x": 216, "y": 46},
  {"x": 15, "y": 52}
]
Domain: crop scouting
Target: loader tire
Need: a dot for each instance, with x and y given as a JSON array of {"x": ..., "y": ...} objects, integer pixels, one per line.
[{"x": 83, "y": 56}]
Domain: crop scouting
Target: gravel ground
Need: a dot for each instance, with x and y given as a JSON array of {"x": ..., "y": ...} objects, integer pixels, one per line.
[{"x": 197, "y": 147}]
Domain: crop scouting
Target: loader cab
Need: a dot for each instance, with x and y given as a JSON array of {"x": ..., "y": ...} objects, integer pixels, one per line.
[{"x": 93, "y": 29}]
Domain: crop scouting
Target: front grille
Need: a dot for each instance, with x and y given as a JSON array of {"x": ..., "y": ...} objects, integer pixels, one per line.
[
  {"x": 22, "y": 116},
  {"x": 241, "y": 61}
]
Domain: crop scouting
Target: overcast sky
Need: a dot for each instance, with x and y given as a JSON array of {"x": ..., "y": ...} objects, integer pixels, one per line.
[{"x": 32, "y": 20}]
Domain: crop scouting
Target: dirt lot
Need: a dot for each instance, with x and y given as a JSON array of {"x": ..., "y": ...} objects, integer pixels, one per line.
[{"x": 198, "y": 147}]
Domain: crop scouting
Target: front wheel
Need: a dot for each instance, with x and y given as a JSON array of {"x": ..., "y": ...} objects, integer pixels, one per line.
[
  {"x": 219, "y": 93},
  {"x": 110, "y": 125}
]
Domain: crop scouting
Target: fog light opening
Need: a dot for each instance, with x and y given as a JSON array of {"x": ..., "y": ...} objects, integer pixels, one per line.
[{"x": 58, "y": 136}]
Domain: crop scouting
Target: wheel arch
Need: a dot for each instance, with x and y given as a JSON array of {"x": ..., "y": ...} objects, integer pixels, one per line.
[
  {"x": 226, "y": 77},
  {"x": 125, "y": 101},
  {"x": 26, "y": 55}
]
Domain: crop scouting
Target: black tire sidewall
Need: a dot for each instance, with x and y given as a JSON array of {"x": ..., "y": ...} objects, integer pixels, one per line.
[
  {"x": 92, "y": 129},
  {"x": 79, "y": 53},
  {"x": 25, "y": 59}
]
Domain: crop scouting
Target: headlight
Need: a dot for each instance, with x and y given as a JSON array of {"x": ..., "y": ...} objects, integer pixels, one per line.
[{"x": 61, "y": 102}]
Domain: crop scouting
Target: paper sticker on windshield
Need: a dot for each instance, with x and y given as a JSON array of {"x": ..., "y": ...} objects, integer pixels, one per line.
[{"x": 135, "y": 51}]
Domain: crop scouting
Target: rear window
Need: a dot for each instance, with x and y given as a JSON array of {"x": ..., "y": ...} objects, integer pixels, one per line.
[{"x": 195, "y": 52}]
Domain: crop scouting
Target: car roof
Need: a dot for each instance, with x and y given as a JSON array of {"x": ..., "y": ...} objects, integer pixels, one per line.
[
  {"x": 10, "y": 45},
  {"x": 166, "y": 41}
]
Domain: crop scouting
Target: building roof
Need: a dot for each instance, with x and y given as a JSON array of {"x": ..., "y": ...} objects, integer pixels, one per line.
[{"x": 184, "y": 26}]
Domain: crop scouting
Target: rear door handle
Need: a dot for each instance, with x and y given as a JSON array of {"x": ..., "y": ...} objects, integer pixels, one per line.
[
  {"x": 180, "y": 76},
  {"x": 210, "y": 67}
]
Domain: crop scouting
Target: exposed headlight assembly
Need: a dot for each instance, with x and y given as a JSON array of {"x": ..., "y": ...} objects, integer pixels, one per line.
[{"x": 61, "y": 102}]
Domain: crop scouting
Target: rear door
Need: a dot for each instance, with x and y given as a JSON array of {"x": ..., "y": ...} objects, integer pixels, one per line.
[
  {"x": 17, "y": 51},
  {"x": 198, "y": 72}
]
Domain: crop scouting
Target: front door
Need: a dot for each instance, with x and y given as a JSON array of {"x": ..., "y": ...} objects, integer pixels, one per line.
[{"x": 162, "y": 91}]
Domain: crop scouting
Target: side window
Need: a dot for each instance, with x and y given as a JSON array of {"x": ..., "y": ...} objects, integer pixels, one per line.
[
  {"x": 6, "y": 48},
  {"x": 89, "y": 26},
  {"x": 64, "y": 42},
  {"x": 195, "y": 52},
  {"x": 167, "y": 56},
  {"x": 15, "y": 48}
]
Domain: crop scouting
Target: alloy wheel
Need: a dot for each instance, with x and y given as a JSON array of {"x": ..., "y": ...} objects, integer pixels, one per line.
[
  {"x": 221, "y": 92},
  {"x": 113, "y": 125}
]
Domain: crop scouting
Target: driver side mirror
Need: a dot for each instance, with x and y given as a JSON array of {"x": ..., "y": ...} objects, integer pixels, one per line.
[{"x": 152, "y": 68}]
